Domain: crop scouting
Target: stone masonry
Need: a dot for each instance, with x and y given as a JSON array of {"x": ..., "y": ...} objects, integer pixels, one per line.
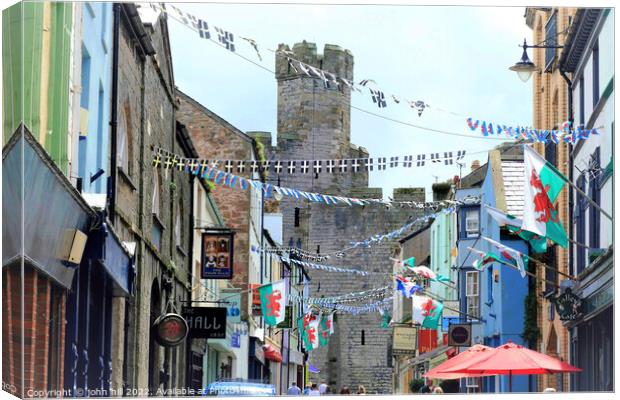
[{"x": 314, "y": 124}]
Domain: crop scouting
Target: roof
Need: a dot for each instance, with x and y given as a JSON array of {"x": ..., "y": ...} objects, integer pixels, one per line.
[
  {"x": 512, "y": 175},
  {"x": 416, "y": 233},
  {"x": 579, "y": 37}
]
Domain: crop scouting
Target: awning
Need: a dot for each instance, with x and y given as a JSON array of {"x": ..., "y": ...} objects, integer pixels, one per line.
[
  {"x": 429, "y": 355},
  {"x": 54, "y": 210},
  {"x": 271, "y": 353}
]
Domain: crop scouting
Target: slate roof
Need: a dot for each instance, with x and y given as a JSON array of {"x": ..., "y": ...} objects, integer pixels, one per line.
[{"x": 512, "y": 174}]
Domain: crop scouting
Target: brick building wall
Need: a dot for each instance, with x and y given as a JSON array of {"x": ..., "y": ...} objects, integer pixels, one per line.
[
  {"x": 145, "y": 94},
  {"x": 550, "y": 102},
  {"x": 41, "y": 343},
  {"x": 216, "y": 139}
]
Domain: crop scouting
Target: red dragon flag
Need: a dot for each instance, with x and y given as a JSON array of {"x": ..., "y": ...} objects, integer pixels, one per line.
[
  {"x": 543, "y": 184},
  {"x": 273, "y": 302}
]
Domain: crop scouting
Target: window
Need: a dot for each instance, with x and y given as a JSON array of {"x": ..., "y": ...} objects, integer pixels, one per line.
[
  {"x": 296, "y": 216},
  {"x": 490, "y": 283},
  {"x": 582, "y": 110},
  {"x": 551, "y": 275},
  {"x": 595, "y": 76},
  {"x": 178, "y": 228},
  {"x": 551, "y": 30},
  {"x": 156, "y": 190},
  {"x": 472, "y": 294},
  {"x": 551, "y": 153},
  {"x": 363, "y": 337},
  {"x": 595, "y": 194},
  {"x": 472, "y": 223},
  {"x": 123, "y": 140}
]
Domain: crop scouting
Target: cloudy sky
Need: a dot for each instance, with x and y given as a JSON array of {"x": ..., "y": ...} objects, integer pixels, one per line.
[{"x": 452, "y": 57}]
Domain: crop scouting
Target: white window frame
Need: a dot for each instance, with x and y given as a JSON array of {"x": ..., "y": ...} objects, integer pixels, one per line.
[
  {"x": 177, "y": 226},
  {"x": 472, "y": 281},
  {"x": 156, "y": 188},
  {"x": 468, "y": 231},
  {"x": 123, "y": 142}
]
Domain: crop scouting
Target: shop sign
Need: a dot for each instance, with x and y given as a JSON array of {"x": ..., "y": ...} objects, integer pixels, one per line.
[
  {"x": 568, "y": 305},
  {"x": 459, "y": 335},
  {"x": 256, "y": 308},
  {"x": 235, "y": 340},
  {"x": 286, "y": 324},
  {"x": 206, "y": 322},
  {"x": 404, "y": 340},
  {"x": 233, "y": 306},
  {"x": 170, "y": 330},
  {"x": 217, "y": 254}
]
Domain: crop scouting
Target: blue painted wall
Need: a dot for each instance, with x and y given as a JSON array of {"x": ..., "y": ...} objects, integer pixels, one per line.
[
  {"x": 502, "y": 302},
  {"x": 95, "y": 97}
]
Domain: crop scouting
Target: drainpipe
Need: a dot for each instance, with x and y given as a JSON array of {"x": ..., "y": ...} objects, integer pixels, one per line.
[
  {"x": 116, "y": 11},
  {"x": 571, "y": 120}
]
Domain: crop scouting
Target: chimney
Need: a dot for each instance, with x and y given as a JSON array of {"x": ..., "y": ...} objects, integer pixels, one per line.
[{"x": 475, "y": 165}]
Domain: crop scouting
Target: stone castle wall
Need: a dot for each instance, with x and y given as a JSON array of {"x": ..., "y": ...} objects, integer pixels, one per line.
[{"x": 314, "y": 124}]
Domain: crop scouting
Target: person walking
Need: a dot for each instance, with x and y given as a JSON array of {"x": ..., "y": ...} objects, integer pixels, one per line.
[
  {"x": 314, "y": 390},
  {"x": 294, "y": 390},
  {"x": 307, "y": 389},
  {"x": 323, "y": 388},
  {"x": 361, "y": 390}
]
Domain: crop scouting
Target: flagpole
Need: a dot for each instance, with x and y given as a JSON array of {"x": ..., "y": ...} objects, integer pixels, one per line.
[
  {"x": 592, "y": 202},
  {"x": 435, "y": 297},
  {"x": 527, "y": 272},
  {"x": 551, "y": 268}
]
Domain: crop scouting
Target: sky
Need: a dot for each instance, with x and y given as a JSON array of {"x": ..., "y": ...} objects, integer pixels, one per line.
[{"x": 451, "y": 57}]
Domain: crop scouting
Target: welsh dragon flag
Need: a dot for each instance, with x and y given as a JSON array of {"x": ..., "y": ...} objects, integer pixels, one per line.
[
  {"x": 273, "y": 302},
  {"x": 513, "y": 224},
  {"x": 426, "y": 311},
  {"x": 309, "y": 331},
  {"x": 326, "y": 328},
  {"x": 510, "y": 255},
  {"x": 485, "y": 259},
  {"x": 543, "y": 184}
]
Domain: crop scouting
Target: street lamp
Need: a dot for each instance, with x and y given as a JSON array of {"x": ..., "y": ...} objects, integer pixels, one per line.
[{"x": 525, "y": 67}]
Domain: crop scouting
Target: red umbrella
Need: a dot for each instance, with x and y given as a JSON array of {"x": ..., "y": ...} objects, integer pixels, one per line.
[
  {"x": 513, "y": 359},
  {"x": 461, "y": 360}
]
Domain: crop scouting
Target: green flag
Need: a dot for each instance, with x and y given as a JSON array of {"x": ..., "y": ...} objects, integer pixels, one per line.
[
  {"x": 543, "y": 184},
  {"x": 273, "y": 302}
]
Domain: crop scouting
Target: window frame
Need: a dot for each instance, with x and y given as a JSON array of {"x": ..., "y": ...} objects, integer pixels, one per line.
[
  {"x": 472, "y": 233},
  {"x": 469, "y": 296}
]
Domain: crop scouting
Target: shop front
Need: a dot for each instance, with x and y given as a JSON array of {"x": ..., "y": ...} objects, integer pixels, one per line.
[{"x": 591, "y": 326}]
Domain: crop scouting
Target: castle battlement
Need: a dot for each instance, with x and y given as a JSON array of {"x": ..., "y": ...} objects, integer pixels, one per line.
[{"x": 334, "y": 59}]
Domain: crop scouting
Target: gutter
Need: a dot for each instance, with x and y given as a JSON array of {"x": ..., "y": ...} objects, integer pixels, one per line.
[{"x": 116, "y": 12}]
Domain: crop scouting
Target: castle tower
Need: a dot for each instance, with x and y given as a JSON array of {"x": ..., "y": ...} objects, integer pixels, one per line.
[{"x": 314, "y": 123}]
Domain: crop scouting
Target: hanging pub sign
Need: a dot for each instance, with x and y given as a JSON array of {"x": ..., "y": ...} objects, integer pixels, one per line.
[
  {"x": 404, "y": 340},
  {"x": 217, "y": 254},
  {"x": 170, "y": 329},
  {"x": 459, "y": 335},
  {"x": 206, "y": 322},
  {"x": 568, "y": 305}
]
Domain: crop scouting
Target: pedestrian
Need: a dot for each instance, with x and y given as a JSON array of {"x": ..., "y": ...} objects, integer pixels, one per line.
[
  {"x": 323, "y": 387},
  {"x": 345, "y": 390},
  {"x": 307, "y": 389},
  {"x": 426, "y": 388},
  {"x": 437, "y": 390},
  {"x": 294, "y": 390},
  {"x": 314, "y": 390},
  {"x": 361, "y": 390}
]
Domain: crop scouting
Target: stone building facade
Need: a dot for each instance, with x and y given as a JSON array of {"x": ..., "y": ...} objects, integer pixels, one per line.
[
  {"x": 550, "y": 106},
  {"x": 314, "y": 124},
  {"x": 147, "y": 202}
]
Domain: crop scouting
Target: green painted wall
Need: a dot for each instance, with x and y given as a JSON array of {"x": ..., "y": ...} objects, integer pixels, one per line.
[{"x": 22, "y": 57}]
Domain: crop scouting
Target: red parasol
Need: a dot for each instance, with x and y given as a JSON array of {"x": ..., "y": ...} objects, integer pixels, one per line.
[
  {"x": 461, "y": 360},
  {"x": 513, "y": 359}
]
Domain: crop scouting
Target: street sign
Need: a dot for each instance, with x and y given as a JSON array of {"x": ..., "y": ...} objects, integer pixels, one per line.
[
  {"x": 170, "y": 330},
  {"x": 459, "y": 335},
  {"x": 206, "y": 322},
  {"x": 404, "y": 340}
]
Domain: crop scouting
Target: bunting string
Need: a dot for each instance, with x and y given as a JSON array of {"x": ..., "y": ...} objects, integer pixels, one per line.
[
  {"x": 225, "y": 39},
  {"x": 202, "y": 168}
]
